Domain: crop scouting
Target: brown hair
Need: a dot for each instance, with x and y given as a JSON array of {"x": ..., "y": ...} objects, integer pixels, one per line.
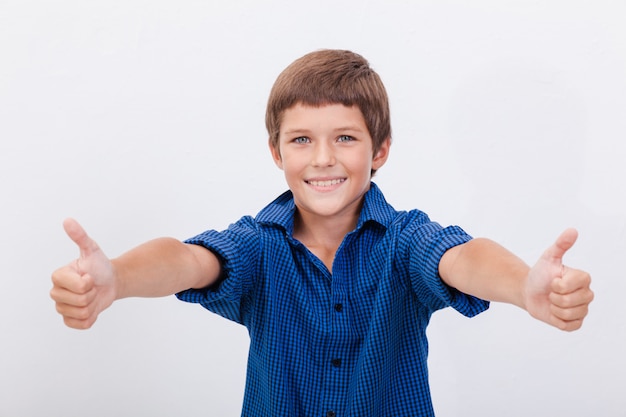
[{"x": 331, "y": 77}]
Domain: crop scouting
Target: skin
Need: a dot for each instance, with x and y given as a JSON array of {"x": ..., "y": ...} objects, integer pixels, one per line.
[{"x": 326, "y": 155}]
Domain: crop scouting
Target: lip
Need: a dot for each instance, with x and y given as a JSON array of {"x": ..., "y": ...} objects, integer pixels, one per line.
[{"x": 325, "y": 184}]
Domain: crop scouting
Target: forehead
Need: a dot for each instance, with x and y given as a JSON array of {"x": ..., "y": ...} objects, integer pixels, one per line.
[{"x": 324, "y": 117}]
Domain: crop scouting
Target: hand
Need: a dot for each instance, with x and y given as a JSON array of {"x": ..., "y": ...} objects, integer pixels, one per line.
[
  {"x": 86, "y": 286},
  {"x": 556, "y": 294}
]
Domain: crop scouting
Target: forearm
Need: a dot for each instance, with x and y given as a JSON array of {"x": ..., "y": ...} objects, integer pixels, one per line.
[
  {"x": 487, "y": 270},
  {"x": 163, "y": 267}
]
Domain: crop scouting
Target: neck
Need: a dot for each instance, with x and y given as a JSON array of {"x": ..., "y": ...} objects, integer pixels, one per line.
[
  {"x": 319, "y": 229},
  {"x": 323, "y": 235}
]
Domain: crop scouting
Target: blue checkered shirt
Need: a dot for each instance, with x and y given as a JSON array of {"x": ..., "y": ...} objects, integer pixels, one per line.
[{"x": 351, "y": 343}]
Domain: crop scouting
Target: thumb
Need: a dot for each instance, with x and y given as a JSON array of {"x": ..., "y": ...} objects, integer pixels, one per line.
[
  {"x": 75, "y": 231},
  {"x": 563, "y": 243}
]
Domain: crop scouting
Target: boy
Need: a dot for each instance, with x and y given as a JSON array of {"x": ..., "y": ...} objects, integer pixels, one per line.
[{"x": 335, "y": 287}]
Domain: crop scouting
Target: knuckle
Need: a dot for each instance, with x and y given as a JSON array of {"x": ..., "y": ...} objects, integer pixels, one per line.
[
  {"x": 57, "y": 277},
  {"x": 82, "y": 314},
  {"x": 574, "y": 325},
  {"x": 559, "y": 300},
  {"x": 565, "y": 300},
  {"x": 59, "y": 308},
  {"x": 82, "y": 300},
  {"x": 76, "y": 324},
  {"x": 569, "y": 326},
  {"x": 561, "y": 325},
  {"x": 82, "y": 286},
  {"x": 84, "y": 325},
  {"x": 569, "y": 315}
]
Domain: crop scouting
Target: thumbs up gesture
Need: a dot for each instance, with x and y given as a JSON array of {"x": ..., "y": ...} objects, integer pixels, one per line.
[
  {"x": 86, "y": 286},
  {"x": 555, "y": 293}
]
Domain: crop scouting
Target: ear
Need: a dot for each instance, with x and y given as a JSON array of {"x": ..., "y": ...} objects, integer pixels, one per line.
[
  {"x": 275, "y": 151},
  {"x": 382, "y": 154}
]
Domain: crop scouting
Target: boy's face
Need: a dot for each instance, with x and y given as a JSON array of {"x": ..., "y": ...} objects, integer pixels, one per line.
[{"x": 326, "y": 154}]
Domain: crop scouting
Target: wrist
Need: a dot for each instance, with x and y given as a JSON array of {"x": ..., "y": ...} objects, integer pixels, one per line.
[{"x": 117, "y": 286}]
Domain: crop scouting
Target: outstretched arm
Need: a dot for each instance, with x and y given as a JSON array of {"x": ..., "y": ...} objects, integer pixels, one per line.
[
  {"x": 88, "y": 285},
  {"x": 549, "y": 291}
]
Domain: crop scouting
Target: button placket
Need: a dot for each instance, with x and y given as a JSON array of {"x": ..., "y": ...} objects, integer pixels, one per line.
[{"x": 339, "y": 348}]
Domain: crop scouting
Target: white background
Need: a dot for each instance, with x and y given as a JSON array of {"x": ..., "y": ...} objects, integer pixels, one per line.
[{"x": 146, "y": 118}]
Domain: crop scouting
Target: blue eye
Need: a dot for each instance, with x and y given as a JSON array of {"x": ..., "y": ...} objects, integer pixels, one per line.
[
  {"x": 301, "y": 139},
  {"x": 345, "y": 138}
]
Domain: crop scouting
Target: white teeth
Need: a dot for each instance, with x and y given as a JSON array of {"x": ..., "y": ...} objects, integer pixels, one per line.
[{"x": 326, "y": 183}]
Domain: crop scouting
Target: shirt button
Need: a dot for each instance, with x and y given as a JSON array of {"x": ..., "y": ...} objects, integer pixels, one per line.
[
  {"x": 336, "y": 362},
  {"x": 338, "y": 307},
  {"x": 331, "y": 413}
]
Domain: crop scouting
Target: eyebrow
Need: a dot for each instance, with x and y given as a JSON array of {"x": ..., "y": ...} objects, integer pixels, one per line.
[{"x": 297, "y": 131}]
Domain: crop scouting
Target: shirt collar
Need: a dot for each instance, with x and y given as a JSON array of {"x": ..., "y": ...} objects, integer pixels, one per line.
[
  {"x": 376, "y": 209},
  {"x": 280, "y": 212}
]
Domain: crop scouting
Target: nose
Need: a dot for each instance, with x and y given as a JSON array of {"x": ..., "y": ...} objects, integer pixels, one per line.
[{"x": 323, "y": 155}]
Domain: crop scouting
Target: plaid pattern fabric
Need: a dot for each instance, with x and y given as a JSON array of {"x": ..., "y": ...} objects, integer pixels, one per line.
[{"x": 351, "y": 343}]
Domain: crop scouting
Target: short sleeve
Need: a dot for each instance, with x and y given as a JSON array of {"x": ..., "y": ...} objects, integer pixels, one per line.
[
  {"x": 238, "y": 250},
  {"x": 428, "y": 244}
]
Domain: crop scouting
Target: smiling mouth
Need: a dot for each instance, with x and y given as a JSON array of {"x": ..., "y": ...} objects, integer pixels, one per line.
[{"x": 325, "y": 183}]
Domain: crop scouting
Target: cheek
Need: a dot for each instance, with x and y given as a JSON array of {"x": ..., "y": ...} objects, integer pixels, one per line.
[
  {"x": 360, "y": 162},
  {"x": 286, "y": 165},
  {"x": 294, "y": 161},
  {"x": 290, "y": 167}
]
